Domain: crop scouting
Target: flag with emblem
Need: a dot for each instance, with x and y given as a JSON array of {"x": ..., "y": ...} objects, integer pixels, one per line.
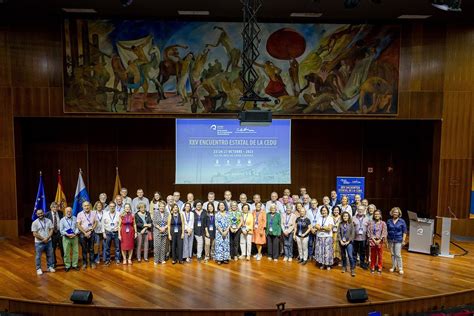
[
  {"x": 81, "y": 195},
  {"x": 60, "y": 198},
  {"x": 40, "y": 202},
  {"x": 117, "y": 185}
]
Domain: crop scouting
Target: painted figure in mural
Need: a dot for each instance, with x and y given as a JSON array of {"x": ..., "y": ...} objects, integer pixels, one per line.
[
  {"x": 232, "y": 52},
  {"x": 170, "y": 64},
  {"x": 152, "y": 71},
  {"x": 120, "y": 76},
  {"x": 304, "y": 69},
  {"x": 294, "y": 76},
  {"x": 138, "y": 50},
  {"x": 275, "y": 87},
  {"x": 183, "y": 75},
  {"x": 196, "y": 72}
]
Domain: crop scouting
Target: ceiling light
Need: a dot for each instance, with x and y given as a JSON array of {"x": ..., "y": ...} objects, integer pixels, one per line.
[
  {"x": 447, "y": 5},
  {"x": 351, "y": 4},
  {"x": 187, "y": 12},
  {"x": 305, "y": 15},
  {"x": 126, "y": 3},
  {"x": 77, "y": 10},
  {"x": 413, "y": 16}
]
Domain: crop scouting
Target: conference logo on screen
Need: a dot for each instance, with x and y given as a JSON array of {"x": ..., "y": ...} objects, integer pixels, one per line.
[
  {"x": 245, "y": 130},
  {"x": 220, "y": 130}
]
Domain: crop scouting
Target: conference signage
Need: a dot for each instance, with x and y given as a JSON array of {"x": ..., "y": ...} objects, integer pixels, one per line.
[
  {"x": 350, "y": 186},
  {"x": 221, "y": 151}
]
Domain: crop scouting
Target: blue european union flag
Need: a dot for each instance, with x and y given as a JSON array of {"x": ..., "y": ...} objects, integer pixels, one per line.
[{"x": 40, "y": 202}]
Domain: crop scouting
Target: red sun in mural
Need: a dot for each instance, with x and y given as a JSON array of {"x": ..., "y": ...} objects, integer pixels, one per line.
[{"x": 286, "y": 44}]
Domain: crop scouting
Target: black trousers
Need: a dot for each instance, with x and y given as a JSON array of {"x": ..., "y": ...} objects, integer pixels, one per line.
[
  {"x": 273, "y": 244},
  {"x": 57, "y": 242},
  {"x": 87, "y": 248},
  {"x": 359, "y": 248},
  {"x": 176, "y": 247},
  {"x": 234, "y": 243}
]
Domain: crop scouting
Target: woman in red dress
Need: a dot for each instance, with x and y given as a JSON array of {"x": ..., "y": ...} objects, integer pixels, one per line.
[{"x": 127, "y": 233}]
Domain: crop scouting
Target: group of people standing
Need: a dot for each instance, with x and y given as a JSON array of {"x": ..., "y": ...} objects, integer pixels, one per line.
[{"x": 334, "y": 233}]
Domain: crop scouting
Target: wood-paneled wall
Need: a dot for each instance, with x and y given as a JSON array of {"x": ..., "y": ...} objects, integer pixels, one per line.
[
  {"x": 436, "y": 83},
  {"x": 144, "y": 151}
]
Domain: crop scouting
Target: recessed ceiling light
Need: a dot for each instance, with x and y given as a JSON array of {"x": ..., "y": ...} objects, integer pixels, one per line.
[
  {"x": 187, "y": 12},
  {"x": 447, "y": 5},
  {"x": 305, "y": 15},
  {"x": 77, "y": 10},
  {"x": 413, "y": 16}
]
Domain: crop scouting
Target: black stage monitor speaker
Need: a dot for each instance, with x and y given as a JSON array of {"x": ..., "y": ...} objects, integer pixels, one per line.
[
  {"x": 255, "y": 118},
  {"x": 357, "y": 295},
  {"x": 81, "y": 297}
]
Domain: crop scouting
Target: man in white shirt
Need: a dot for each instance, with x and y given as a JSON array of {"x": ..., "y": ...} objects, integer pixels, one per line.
[
  {"x": 274, "y": 200},
  {"x": 306, "y": 201},
  {"x": 169, "y": 203},
  {"x": 211, "y": 198},
  {"x": 243, "y": 200},
  {"x": 103, "y": 199},
  {"x": 140, "y": 199},
  {"x": 42, "y": 229},
  {"x": 125, "y": 198},
  {"x": 110, "y": 223},
  {"x": 176, "y": 198},
  {"x": 327, "y": 203},
  {"x": 119, "y": 205}
]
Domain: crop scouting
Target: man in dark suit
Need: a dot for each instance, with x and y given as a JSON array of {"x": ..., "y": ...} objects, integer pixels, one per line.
[
  {"x": 334, "y": 199},
  {"x": 55, "y": 216}
]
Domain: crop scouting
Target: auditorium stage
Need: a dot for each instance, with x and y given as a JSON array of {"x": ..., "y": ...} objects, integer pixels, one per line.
[{"x": 255, "y": 285}]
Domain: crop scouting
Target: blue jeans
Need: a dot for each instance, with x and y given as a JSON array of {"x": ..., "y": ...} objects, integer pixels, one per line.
[
  {"x": 48, "y": 248},
  {"x": 99, "y": 240},
  {"x": 288, "y": 245},
  {"x": 311, "y": 246},
  {"x": 108, "y": 242},
  {"x": 87, "y": 248},
  {"x": 347, "y": 251}
]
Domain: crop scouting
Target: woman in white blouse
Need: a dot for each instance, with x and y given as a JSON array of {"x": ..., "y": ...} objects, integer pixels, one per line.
[{"x": 324, "y": 241}]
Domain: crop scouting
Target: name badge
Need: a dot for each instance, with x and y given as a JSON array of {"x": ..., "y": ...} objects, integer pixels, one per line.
[
  {"x": 256, "y": 226},
  {"x": 244, "y": 227},
  {"x": 176, "y": 229},
  {"x": 211, "y": 228},
  {"x": 112, "y": 224},
  {"x": 69, "y": 231},
  {"x": 199, "y": 223},
  {"x": 90, "y": 225},
  {"x": 127, "y": 230},
  {"x": 361, "y": 231},
  {"x": 271, "y": 229},
  {"x": 334, "y": 229},
  {"x": 344, "y": 239},
  {"x": 234, "y": 226},
  {"x": 286, "y": 226},
  {"x": 300, "y": 232}
]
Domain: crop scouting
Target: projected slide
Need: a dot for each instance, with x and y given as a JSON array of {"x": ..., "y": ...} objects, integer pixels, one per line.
[{"x": 222, "y": 151}]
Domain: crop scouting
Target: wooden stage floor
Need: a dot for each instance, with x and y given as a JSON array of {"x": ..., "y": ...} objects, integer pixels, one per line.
[{"x": 239, "y": 285}]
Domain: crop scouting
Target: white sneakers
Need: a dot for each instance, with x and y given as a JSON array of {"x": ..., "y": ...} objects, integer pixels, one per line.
[
  {"x": 285, "y": 259},
  {"x": 40, "y": 272},
  {"x": 290, "y": 259}
]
